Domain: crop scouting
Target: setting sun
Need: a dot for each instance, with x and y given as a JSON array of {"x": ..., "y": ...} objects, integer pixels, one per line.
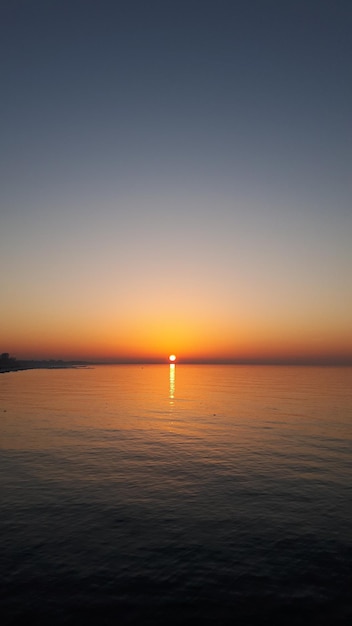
[{"x": 172, "y": 358}]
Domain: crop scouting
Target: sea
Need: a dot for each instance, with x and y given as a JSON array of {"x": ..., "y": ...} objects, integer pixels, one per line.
[{"x": 176, "y": 494}]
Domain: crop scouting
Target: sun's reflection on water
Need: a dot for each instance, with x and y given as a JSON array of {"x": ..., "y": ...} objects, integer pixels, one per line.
[{"x": 172, "y": 383}]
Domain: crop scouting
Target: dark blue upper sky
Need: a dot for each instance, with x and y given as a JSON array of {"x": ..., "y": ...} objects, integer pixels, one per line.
[{"x": 254, "y": 89}]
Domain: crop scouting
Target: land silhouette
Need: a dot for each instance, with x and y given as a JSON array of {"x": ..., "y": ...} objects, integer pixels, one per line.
[{"x": 12, "y": 364}]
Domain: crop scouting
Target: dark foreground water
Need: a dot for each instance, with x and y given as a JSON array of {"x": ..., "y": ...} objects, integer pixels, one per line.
[{"x": 163, "y": 495}]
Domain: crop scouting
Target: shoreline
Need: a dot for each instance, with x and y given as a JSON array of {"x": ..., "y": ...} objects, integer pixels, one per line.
[{"x": 39, "y": 366}]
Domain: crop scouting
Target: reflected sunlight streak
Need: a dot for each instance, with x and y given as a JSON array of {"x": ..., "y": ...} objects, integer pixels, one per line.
[{"x": 172, "y": 377}]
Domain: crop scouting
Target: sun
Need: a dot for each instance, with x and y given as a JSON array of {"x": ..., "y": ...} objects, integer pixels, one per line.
[{"x": 172, "y": 358}]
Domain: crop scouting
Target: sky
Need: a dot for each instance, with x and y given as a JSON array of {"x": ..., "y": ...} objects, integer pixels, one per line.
[{"x": 176, "y": 178}]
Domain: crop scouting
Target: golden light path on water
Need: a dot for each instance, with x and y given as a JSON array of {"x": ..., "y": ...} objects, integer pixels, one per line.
[
  {"x": 172, "y": 359},
  {"x": 172, "y": 378}
]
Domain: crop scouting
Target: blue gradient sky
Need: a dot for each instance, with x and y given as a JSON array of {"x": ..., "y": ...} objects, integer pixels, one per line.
[{"x": 176, "y": 177}]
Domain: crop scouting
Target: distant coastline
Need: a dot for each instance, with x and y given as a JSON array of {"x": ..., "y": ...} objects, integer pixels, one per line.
[{"x": 11, "y": 364}]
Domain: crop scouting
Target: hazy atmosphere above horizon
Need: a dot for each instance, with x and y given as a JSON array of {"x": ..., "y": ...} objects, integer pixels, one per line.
[{"x": 176, "y": 178}]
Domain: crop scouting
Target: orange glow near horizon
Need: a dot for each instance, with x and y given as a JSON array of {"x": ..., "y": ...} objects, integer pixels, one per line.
[
  {"x": 240, "y": 341},
  {"x": 216, "y": 324}
]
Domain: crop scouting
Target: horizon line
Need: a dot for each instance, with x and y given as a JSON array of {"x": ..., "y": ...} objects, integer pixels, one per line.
[{"x": 301, "y": 361}]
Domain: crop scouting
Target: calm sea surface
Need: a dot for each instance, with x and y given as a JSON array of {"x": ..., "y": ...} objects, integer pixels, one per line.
[{"x": 166, "y": 494}]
